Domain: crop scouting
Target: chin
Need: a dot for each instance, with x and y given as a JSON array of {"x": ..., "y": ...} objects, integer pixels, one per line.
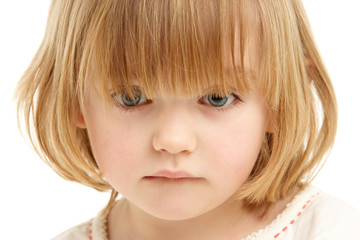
[{"x": 174, "y": 212}]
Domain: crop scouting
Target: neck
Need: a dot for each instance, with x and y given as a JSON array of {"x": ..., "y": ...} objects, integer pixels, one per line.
[{"x": 228, "y": 221}]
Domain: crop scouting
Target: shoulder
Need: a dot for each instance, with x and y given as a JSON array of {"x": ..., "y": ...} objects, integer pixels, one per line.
[
  {"x": 80, "y": 232},
  {"x": 313, "y": 215},
  {"x": 94, "y": 229},
  {"x": 330, "y": 218}
]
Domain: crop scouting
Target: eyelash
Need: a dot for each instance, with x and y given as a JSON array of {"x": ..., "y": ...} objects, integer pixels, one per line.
[
  {"x": 125, "y": 108},
  {"x": 237, "y": 100}
]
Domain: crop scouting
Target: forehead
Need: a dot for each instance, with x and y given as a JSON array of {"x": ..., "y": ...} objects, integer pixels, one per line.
[{"x": 179, "y": 47}]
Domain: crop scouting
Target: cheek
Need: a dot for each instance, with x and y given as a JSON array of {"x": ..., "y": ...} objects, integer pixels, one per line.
[
  {"x": 237, "y": 147},
  {"x": 116, "y": 149},
  {"x": 235, "y": 157}
]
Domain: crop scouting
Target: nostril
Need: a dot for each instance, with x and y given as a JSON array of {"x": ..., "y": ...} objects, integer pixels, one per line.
[{"x": 172, "y": 150}]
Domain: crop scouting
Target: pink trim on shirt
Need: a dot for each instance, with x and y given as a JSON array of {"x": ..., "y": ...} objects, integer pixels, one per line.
[
  {"x": 90, "y": 230},
  {"x": 297, "y": 215}
]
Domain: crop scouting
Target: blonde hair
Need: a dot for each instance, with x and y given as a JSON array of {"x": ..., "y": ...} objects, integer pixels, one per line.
[{"x": 178, "y": 46}]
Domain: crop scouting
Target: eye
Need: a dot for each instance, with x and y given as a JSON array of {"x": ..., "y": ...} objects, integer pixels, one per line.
[
  {"x": 127, "y": 101},
  {"x": 217, "y": 100}
]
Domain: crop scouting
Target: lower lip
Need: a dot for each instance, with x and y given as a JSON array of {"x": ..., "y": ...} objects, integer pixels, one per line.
[{"x": 165, "y": 179}]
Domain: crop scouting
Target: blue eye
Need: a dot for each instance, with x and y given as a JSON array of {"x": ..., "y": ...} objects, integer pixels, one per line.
[
  {"x": 127, "y": 101},
  {"x": 218, "y": 101}
]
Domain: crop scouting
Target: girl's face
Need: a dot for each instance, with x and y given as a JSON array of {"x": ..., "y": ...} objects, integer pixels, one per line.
[{"x": 177, "y": 158}]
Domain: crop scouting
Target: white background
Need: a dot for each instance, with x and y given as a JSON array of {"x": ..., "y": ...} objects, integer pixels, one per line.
[{"x": 37, "y": 204}]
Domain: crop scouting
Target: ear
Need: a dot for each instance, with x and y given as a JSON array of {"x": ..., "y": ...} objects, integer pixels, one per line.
[{"x": 80, "y": 120}]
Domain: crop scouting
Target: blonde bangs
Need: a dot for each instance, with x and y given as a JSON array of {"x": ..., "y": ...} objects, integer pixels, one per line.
[{"x": 181, "y": 48}]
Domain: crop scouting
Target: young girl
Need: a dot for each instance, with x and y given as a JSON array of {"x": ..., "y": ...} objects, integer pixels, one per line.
[{"x": 210, "y": 118}]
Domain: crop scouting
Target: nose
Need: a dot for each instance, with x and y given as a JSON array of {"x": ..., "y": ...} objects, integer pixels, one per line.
[{"x": 175, "y": 132}]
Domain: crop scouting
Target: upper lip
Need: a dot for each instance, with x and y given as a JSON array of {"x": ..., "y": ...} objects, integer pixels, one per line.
[{"x": 172, "y": 174}]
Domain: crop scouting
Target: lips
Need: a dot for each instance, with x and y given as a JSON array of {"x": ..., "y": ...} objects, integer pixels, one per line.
[{"x": 171, "y": 175}]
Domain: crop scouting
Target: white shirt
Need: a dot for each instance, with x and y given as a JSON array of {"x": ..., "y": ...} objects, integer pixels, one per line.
[{"x": 311, "y": 215}]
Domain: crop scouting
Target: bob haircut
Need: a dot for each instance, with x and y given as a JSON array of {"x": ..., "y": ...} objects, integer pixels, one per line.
[{"x": 181, "y": 47}]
